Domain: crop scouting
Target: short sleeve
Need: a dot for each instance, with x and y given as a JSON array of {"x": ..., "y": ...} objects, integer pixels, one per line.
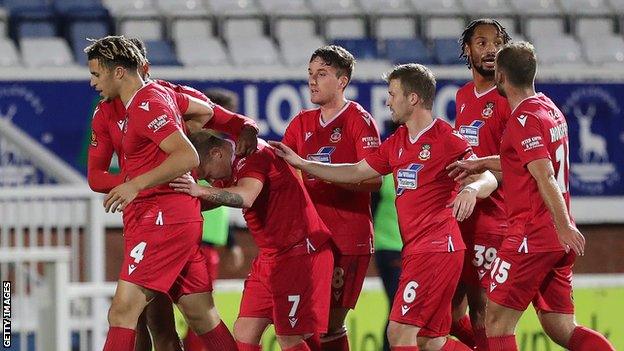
[
  {"x": 457, "y": 147},
  {"x": 154, "y": 120},
  {"x": 291, "y": 135},
  {"x": 527, "y": 138},
  {"x": 182, "y": 100},
  {"x": 256, "y": 165},
  {"x": 380, "y": 159},
  {"x": 101, "y": 142}
]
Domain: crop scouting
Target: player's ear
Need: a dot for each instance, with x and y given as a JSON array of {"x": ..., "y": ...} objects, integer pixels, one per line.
[
  {"x": 119, "y": 72},
  {"x": 343, "y": 81},
  {"x": 414, "y": 99}
]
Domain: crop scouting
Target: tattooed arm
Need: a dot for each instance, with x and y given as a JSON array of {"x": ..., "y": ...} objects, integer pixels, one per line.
[{"x": 242, "y": 195}]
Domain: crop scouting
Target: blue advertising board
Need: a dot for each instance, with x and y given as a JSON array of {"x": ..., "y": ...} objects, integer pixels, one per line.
[{"x": 58, "y": 114}]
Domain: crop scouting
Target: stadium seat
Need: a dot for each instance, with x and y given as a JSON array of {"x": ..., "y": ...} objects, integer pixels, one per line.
[
  {"x": 586, "y": 7},
  {"x": 160, "y": 53},
  {"x": 183, "y": 8},
  {"x": 36, "y": 29},
  {"x": 335, "y": 7},
  {"x": 437, "y": 7},
  {"x": 146, "y": 29},
  {"x": 78, "y": 34},
  {"x": 351, "y": 28},
  {"x": 298, "y": 52},
  {"x": 80, "y": 9},
  {"x": 132, "y": 8},
  {"x": 407, "y": 50},
  {"x": 594, "y": 27},
  {"x": 193, "y": 51},
  {"x": 395, "y": 27},
  {"x": 444, "y": 27},
  {"x": 608, "y": 50},
  {"x": 487, "y": 7},
  {"x": 197, "y": 28},
  {"x": 234, "y": 8},
  {"x": 10, "y": 56},
  {"x": 253, "y": 51},
  {"x": 45, "y": 52},
  {"x": 361, "y": 48},
  {"x": 536, "y": 7},
  {"x": 557, "y": 50},
  {"x": 297, "y": 29},
  {"x": 618, "y": 6},
  {"x": 243, "y": 28},
  {"x": 293, "y": 8},
  {"x": 544, "y": 27},
  {"x": 387, "y": 7},
  {"x": 446, "y": 51}
]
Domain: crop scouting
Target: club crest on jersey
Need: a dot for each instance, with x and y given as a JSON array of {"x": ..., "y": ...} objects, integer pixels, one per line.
[
  {"x": 425, "y": 153},
  {"x": 336, "y": 135},
  {"x": 407, "y": 178},
  {"x": 323, "y": 155},
  {"x": 488, "y": 110},
  {"x": 471, "y": 132},
  {"x": 93, "y": 139}
]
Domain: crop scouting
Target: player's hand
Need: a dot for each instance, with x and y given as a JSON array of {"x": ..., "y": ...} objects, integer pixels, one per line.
[
  {"x": 186, "y": 184},
  {"x": 464, "y": 203},
  {"x": 571, "y": 238},
  {"x": 461, "y": 169},
  {"x": 120, "y": 196},
  {"x": 287, "y": 154},
  {"x": 247, "y": 141}
]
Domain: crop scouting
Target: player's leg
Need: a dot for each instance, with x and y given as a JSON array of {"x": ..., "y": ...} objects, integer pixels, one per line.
[
  {"x": 389, "y": 266},
  {"x": 159, "y": 315},
  {"x": 402, "y": 335},
  {"x": 127, "y": 305},
  {"x": 461, "y": 326},
  {"x": 347, "y": 280},
  {"x": 143, "y": 340},
  {"x": 256, "y": 308},
  {"x": 248, "y": 332}
]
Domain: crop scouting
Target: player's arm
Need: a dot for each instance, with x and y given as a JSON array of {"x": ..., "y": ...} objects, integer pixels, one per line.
[
  {"x": 544, "y": 174},
  {"x": 352, "y": 173},
  {"x": 182, "y": 157},
  {"x": 242, "y": 195},
  {"x": 461, "y": 169},
  {"x": 99, "y": 155},
  {"x": 197, "y": 114}
]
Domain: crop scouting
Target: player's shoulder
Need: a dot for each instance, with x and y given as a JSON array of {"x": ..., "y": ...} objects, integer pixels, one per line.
[
  {"x": 307, "y": 115},
  {"x": 358, "y": 114},
  {"x": 183, "y": 89},
  {"x": 148, "y": 98},
  {"x": 109, "y": 109},
  {"x": 465, "y": 90}
]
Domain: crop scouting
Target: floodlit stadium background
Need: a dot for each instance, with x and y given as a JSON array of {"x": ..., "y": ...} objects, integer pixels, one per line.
[{"x": 62, "y": 253}]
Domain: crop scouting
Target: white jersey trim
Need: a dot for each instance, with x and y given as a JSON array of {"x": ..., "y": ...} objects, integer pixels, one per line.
[
  {"x": 343, "y": 109},
  {"x": 480, "y": 95},
  {"x": 415, "y": 139}
]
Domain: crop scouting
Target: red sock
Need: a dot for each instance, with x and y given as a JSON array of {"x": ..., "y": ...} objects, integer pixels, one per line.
[
  {"x": 404, "y": 348},
  {"x": 481, "y": 339},
  {"x": 219, "y": 338},
  {"x": 302, "y": 346},
  {"x": 340, "y": 343},
  {"x": 454, "y": 345},
  {"x": 119, "y": 339},
  {"x": 502, "y": 343},
  {"x": 192, "y": 342},
  {"x": 585, "y": 339},
  {"x": 462, "y": 330},
  {"x": 314, "y": 342},
  {"x": 248, "y": 347}
]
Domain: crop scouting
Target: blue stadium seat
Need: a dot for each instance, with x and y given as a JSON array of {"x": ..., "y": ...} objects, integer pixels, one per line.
[
  {"x": 80, "y": 9},
  {"x": 35, "y": 29},
  {"x": 160, "y": 53},
  {"x": 446, "y": 51},
  {"x": 407, "y": 50},
  {"x": 29, "y": 9},
  {"x": 78, "y": 34},
  {"x": 362, "y": 49}
]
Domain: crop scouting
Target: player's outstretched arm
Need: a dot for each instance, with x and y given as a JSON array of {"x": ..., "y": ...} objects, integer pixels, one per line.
[
  {"x": 197, "y": 114},
  {"x": 351, "y": 173},
  {"x": 181, "y": 158},
  {"x": 544, "y": 174},
  {"x": 242, "y": 195},
  {"x": 461, "y": 169}
]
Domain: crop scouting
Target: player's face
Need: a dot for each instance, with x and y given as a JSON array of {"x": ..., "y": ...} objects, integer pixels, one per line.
[
  {"x": 398, "y": 103},
  {"x": 215, "y": 166},
  {"x": 324, "y": 85},
  {"x": 102, "y": 80},
  {"x": 482, "y": 49}
]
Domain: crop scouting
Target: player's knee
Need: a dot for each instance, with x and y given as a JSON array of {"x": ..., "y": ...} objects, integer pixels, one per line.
[
  {"x": 123, "y": 315},
  {"x": 558, "y": 330},
  {"x": 288, "y": 341},
  {"x": 246, "y": 332},
  {"x": 401, "y": 334},
  {"x": 426, "y": 344}
]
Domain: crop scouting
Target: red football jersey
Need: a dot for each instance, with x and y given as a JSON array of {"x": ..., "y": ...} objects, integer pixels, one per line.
[
  {"x": 348, "y": 138},
  {"x": 536, "y": 130},
  {"x": 107, "y": 129},
  {"x": 153, "y": 114},
  {"x": 283, "y": 217},
  {"x": 481, "y": 119},
  {"x": 423, "y": 186}
]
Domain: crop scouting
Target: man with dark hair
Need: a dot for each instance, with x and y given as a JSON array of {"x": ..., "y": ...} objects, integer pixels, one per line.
[
  {"x": 428, "y": 205},
  {"x": 155, "y": 150},
  {"x": 534, "y": 262},
  {"x": 338, "y": 131},
  {"x": 289, "y": 282},
  {"x": 480, "y": 116},
  {"x": 224, "y": 98}
]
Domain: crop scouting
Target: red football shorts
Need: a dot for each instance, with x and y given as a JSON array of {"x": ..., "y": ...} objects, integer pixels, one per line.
[
  {"x": 426, "y": 288},
  {"x": 293, "y": 292},
  {"x": 479, "y": 258},
  {"x": 544, "y": 278},
  {"x": 166, "y": 258},
  {"x": 348, "y": 278}
]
